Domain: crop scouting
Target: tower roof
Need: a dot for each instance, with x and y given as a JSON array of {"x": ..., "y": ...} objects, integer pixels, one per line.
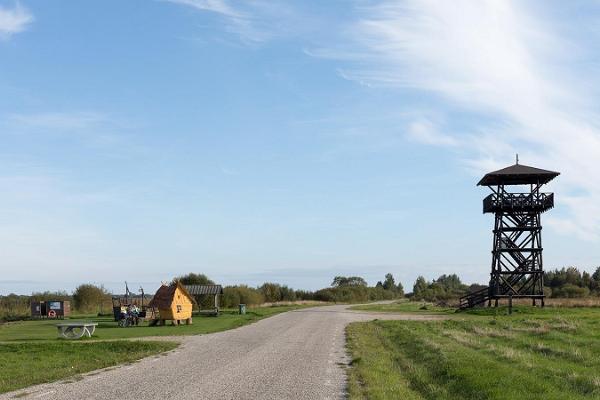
[{"x": 518, "y": 175}]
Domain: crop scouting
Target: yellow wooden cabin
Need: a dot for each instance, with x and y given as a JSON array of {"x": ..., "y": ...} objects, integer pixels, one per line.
[{"x": 173, "y": 303}]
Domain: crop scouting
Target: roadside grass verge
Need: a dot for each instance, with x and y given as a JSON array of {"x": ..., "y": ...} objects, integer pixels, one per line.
[
  {"x": 537, "y": 354},
  {"x": 38, "y": 330},
  {"x": 26, "y": 364}
]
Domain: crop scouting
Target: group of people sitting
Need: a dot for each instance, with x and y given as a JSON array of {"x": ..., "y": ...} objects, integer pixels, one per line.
[{"x": 130, "y": 315}]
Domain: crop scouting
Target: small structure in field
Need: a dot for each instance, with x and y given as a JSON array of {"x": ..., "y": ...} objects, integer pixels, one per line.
[
  {"x": 202, "y": 291},
  {"x": 173, "y": 303},
  {"x": 50, "y": 309}
]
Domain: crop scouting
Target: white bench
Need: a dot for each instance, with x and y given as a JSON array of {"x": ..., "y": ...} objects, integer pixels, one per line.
[{"x": 76, "y": 330}]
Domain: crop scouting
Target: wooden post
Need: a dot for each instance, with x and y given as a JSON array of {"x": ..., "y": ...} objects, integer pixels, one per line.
[{"x": 510, "y": 305}]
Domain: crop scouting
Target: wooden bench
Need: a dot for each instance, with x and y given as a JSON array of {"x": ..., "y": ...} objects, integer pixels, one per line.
[{"x": 76, "y": 330}]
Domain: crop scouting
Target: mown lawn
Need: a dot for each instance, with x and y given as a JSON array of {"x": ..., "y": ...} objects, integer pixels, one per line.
[
  {"x": 108, "y": 329},
  {"x": 484, "y": 354},
  {"x": 26, "y": 364}
]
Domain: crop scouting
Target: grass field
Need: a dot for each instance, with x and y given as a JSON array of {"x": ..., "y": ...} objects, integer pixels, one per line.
[
  {"x": 108, "y": 329},
  {"x": 26, "y": 364},
  {"x": 551, "y": 353},
  {"x": 404, "y": 306}
]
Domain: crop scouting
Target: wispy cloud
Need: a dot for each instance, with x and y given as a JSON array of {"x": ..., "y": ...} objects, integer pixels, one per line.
[
  {"x": 241, "y": 23},
  {"x": 510, "y": 73},
  {"x": 57, "y": 120},
  {"x": 425, "y": 131},
  {"x": 14, "y": 20},
  {"x": 111, "y": 135},
  {"x": 253, "y": 21}
]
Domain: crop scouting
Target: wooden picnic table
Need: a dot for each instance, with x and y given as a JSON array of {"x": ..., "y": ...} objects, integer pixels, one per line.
[{"x": 76, "y": 330}]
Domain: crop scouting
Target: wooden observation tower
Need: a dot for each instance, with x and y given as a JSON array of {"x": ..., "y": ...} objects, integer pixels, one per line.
[{"x": 517, "y": 267}]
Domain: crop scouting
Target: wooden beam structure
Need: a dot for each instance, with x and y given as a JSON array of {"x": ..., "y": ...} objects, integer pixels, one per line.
[{"x": 517, "y": 265}]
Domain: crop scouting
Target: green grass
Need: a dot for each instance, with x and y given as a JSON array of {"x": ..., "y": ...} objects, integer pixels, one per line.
[
  {"x": 404, "y": 306},
  {"x": 25, "y": 364},
  {"x": 108, "y": 329},
  {"x": 533, "y": 354}
]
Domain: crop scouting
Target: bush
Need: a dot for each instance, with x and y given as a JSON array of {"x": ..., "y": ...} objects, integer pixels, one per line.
[
  {"x": 88, "y": 298},
  {"x": 570, "y": 291},
  {"x": 273, "y": 292},
  {"x": 242, "y": 294}
]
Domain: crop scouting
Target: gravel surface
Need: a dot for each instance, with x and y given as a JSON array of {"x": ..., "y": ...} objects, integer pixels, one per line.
[{"x": 295, "y": 355}]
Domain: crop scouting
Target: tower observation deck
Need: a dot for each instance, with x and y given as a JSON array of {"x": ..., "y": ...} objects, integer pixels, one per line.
[{"x": 517, "y": 265}]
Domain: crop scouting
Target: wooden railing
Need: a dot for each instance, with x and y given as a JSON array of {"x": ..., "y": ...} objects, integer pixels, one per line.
[{"x": 518, "y": 202}]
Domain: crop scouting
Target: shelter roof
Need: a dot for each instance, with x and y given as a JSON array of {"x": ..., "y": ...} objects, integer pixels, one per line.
[
  {"x": 196, "y": 290},
  {"x": 518, "y": 175}
]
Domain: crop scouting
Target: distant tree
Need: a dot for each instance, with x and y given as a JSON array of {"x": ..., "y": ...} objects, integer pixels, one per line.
[
  {"x": 193, "y": 279},
  {"x": 90, "y": 298},
  {"x": 596, "y": 275},
  {"x": 271, "y": 291},
  {"x": 399, "y": 289},
  {"x": 242, "y": 294},
  {"x": 419, "y": 288},
  {"x": 379, "y": 285},
  {"x": 389, "y": 283},
  {"x": 450, "y": 282},
  {"x": 595, "y": 281},
  {"x": 586, "y": 280},
  {"x": 287, "y": 293},
  {"x": 340, "y": 281}
]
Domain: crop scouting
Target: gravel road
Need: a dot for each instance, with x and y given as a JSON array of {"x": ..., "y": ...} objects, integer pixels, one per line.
[{"x": 295, "y": 355}]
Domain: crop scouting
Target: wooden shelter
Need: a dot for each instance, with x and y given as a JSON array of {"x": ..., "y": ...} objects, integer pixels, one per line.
[
  {"x": 202, "y": 291},
  {"x": 173, "y": 303}
]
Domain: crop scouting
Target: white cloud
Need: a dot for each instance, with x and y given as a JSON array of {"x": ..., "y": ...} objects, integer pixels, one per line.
[
  {"x": 511, "y": 75},
  {"x": 14, "y": 20},
  {"x": 425, "y": 131}
]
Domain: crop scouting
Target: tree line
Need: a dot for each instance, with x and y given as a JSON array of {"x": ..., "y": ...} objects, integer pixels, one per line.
[
  {"x": 567, "y": 282},
  {"x": 342, "y": 290}
]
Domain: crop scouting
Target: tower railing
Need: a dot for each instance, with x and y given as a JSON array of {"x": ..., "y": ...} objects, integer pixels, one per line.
[{"x": 537, "y": 202}]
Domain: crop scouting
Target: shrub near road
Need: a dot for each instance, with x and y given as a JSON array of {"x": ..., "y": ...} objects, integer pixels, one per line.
[{"x": 545, "y": 354}]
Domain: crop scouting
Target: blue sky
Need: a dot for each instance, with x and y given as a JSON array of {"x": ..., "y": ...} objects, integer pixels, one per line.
[{"x": 286, "y": 141}]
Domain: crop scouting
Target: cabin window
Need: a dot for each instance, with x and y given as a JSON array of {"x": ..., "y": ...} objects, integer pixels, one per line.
[{"x": 178, "y": 308}]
